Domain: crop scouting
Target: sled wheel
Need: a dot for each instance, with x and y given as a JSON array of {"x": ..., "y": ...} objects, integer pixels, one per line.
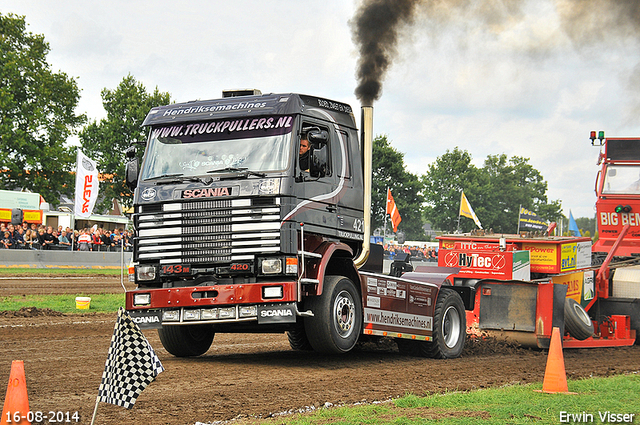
[
  {"x": 186, "y": 341},
  {"x": 298, "y": 339},
  {"x": 449, "y": 326},
  {"x": 337, "y": 316},
  {"x": 577, "y": 320}
]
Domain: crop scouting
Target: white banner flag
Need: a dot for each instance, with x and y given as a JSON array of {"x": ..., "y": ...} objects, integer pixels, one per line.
[{"x": 86, "y": 185}]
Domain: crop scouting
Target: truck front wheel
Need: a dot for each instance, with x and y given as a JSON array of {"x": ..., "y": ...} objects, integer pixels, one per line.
[
  {"x": 186, "y": 341},
  {"x": 337, "y": 316},
  {"x": 298, "y": 339}
]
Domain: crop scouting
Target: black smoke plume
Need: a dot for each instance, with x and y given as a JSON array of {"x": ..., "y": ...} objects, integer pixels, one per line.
[
  {"x": 377, "y": 24},
  {"x": 375, "y": 31}
]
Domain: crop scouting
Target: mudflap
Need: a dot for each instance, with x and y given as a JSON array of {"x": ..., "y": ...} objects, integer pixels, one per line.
[
  {"x": 147, "y": 319},
  {"x": 277, "y": 313}
]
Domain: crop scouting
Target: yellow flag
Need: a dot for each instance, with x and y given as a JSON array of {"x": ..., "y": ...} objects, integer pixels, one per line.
[{"x": 467, "y": 211}]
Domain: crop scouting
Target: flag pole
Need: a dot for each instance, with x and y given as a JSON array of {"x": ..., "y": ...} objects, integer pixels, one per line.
[
  {"x": 384, "y": 230},
  {"x": 459, "y": 211},
  {"x": 95, "y": 410}
]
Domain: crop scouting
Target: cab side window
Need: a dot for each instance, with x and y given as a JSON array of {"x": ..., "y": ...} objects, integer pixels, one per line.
[{"x": 314, "y": 154}]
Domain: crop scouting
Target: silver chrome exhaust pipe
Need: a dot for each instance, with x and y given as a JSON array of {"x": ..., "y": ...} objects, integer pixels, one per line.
[{"x": 367, "y": 167}]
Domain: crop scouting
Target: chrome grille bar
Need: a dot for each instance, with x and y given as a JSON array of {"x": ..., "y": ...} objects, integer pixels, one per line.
[{"x": 210, "y": 231}]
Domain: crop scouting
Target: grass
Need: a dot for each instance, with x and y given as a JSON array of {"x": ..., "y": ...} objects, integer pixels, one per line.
[
  {"x": 100, "y": 303},
  {"x": 517, "y": 404}
]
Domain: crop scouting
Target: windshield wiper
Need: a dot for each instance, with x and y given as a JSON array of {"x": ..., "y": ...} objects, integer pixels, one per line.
[
  {"x": 180, "y": 178},
  {"x": 239, "y": 170},
  {"x": 164, "y": 176}
]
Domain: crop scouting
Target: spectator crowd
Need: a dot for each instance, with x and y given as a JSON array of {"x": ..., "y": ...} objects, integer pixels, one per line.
[
  {"x": 33, "y": 236},
  {"x": 417, "y": 253}
]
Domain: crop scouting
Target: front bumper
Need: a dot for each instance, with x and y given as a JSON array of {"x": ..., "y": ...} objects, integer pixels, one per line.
[{"x": 262, "y": 302}]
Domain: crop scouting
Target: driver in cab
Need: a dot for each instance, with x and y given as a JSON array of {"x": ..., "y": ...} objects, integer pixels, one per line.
[{"x": 304, "y": 153}]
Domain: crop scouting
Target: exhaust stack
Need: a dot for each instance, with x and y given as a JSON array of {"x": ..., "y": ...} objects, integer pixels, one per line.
[{"x": 367, "y": 168}]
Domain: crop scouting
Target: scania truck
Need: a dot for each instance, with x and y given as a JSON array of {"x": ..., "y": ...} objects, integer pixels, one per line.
[{"x": 233, "y": 234}]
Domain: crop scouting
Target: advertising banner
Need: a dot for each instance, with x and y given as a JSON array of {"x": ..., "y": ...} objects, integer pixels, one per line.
[
  {"x": 86, "y": 185},
  {"x": 530, "y": 221},
  {"x": 504, "y": 265}
]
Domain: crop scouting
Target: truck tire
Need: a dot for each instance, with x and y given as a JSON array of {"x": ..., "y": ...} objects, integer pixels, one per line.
[
  {"x": 337, "y": 316},
  {"x": 577, "y": 320},
  {"x": 298, "y": 339},
  {"x": 449, "y": 330},
  {"x": 186, "y": 341},
  {"x": 449, "y": 326}
]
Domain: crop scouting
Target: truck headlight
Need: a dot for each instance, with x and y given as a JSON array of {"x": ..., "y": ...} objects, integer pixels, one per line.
[
  {"x": 248, "y": 311},
  {"x": 146, "y": 272},
  {"x": 141, "y": 299},
  {"x": 227, "y": 313},
  {"x": 271, "y": 292},
  {"x": 271, "y": 266},
  {"x": 171, "y": 316},
  {"x": 192, "y": 315},
  {"x": 209, "y": 314}
]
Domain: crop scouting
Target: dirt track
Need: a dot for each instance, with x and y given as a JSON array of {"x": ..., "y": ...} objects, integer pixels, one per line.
[{"x": 253, "y": 375}]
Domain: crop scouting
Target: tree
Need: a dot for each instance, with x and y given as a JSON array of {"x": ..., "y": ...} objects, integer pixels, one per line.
[
  {"x": 496, "y": 191},
  {"x": 106, "y": 141},
  {"x": 37, "y": 115},
  {"x": 515, "y": 183},
  {"x": 389, "y": 172},
  {"x": 444, "y": 182},
  {"x": 586, "y": 225}
]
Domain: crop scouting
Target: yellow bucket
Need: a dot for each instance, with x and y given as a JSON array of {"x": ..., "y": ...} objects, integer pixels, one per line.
[{"x": 83, "y": 303}]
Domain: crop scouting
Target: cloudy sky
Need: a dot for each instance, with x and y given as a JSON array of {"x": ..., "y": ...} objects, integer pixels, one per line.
[{"x": 530, "y": 81}]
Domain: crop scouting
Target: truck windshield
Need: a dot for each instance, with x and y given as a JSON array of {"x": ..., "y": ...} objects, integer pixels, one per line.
[
  {"x": 254, "y": 144},
  {"x": 622, "y": 179}
]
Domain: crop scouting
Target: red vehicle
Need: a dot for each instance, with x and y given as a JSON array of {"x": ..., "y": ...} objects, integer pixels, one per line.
[
  {"x": 523, "y": 287},
  {"x": 618, "y": 195},
  {"x": 618, "y": 223}
]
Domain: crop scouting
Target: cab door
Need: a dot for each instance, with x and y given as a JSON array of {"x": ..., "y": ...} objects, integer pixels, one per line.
[{"x": 317, "y": 190}]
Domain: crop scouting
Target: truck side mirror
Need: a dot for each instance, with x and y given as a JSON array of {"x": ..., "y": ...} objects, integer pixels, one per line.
[
  {"x": 318, "y": 161},
  {"x": 319, "y": 153},
  {"x": 131, "y": 174},
  {"x": 130, "y": 152},
  {"x": 317, "y": 136}
]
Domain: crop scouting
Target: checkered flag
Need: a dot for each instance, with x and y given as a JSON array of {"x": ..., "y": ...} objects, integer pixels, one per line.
[{"x": 131, "y": 364}]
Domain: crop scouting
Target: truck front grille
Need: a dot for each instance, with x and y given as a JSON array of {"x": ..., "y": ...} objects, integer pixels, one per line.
[{"x": 207, "y": 232}]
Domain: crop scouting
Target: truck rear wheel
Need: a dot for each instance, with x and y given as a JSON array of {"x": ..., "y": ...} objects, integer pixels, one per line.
[
  {"x": 186, "y": 341},
  {"x": 337, "y": 316},
  {"x": 449, "y": 326},
  {"x": 449, "y": 330},
  {"x": 577, "y": 320}
]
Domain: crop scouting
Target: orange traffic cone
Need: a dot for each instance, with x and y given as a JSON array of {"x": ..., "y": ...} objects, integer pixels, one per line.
[
  {"x": 16, "y": 402},
  {"x": 555, "y": 377}
]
